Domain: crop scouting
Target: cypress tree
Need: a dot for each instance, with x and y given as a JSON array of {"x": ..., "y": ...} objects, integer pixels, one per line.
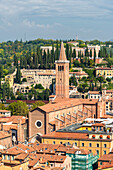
[
  {"x": 15, "y": 60},
  {"x": 94, "y": 55},
  {"x": 18, "y": 75},
  {"x": 67, "y": 51},
  {"x": 91, "y": 53}
]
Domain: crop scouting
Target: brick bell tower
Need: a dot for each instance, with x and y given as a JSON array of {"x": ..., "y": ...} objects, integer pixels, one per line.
[{"x": 62, "y": 75}]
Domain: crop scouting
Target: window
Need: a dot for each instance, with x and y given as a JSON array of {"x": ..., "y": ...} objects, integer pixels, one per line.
[
  {"x": 83, "y": 144},
  {"x": 53, "y": 142},
  {"x": 100, "y": 163},
  {"x": 90, "y": 144},
  {"x": 97, "y": 151},
  {"x": 104, "y": 152},
  {"x": 104, "y": 145},
  {"x": 38, "y": 123},
  {"x": 8, "y": 157},
  {"x": 4, "y": 157},
  {"x": 97, "y": 145},
  {"x": 100, "y": 128},
  {"x": 90, "y": 150},
  {"x": 60, "y": 142},
  {"x": 75, "y": 144}
]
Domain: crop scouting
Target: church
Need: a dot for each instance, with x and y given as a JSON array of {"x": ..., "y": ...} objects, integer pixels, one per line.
[{"x": 63, "y": 111}]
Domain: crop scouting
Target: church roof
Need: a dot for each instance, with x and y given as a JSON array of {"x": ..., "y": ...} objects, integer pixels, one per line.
[
  {"x": 62, "y": 52},
  {"x": 66, "y": 103}
]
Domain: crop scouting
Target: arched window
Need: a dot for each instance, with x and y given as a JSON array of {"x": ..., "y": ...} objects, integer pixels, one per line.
[
  {"x": 58, "y": 68},
  {"x": 62, "y": 68}
]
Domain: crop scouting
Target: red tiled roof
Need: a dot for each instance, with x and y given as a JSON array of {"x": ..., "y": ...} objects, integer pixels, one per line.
[
  {"x": 4, "y": 134},
  {"x": 22, "y": 156},
  {"x": 66, "y": 103},
  {"x": 13, "y": 151},
  {"x": 14, "y": 119},
  {"x": 98, "y": 124},
  {"x": 66, "y": 135},
  {"x": 109, "y": 91},
  {"x": 94, "y": 92},
  {"x": 103, "y": 68},
  {"x": 107, "y": 157},
  {"x": 4, "y": 111}
]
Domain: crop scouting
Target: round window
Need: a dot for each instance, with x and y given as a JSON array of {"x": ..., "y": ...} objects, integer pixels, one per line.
[{"x": 38, "y": 123}]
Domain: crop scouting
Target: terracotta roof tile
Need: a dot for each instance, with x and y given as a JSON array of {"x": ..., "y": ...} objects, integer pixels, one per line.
[
  {"x": 13, "y": 151},
  {"x": 67, "y": 135},
  {"x": 98, "y": 124},
  {"x": 14, "y": 119},
  {"x": 107, "y": 157},
  {"x": 29, "y": 149},
  {"x": 4, "y": 110},
  {"x": 94, "y": 92},
  {"x": 62, "y": 104},
  {"x": 22, "y": 156},
  {"x": 4, "y": 134}
]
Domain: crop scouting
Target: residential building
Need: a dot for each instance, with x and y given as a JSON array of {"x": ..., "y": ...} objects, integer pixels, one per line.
[
  {"x": 5, "y": 112},
  {"x": 106, "y": 161},
  {"x": 10, "y": 79},
  {"x": 46, "y": 48},
  {"x": 78, "y": 75},
  {"x": 26, "y": 157},
  {"x": 95, "y": 136},
  {"x": 92, "y": 48},
  {"x": 107, "y": 72},
  {"x": 94, "y": 94},
  {"x": 107, "y": 97},
  {"x": 75, "y": 43},
  {"x": 16, "y": 125},
  {"x": 5, "y": 139}
]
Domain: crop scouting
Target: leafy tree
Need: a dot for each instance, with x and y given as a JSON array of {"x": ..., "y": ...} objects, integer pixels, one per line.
[
  {"x": 38, "y": 86},
  {"x": 18, "y": 108},
  {"x": 83, "y": 88},
  {"x": 2, "y": 106},
  {"x": 46, "y": 94},
  {"x": 37, "y": 103},
  {"x": 24, "y": 80},
  {"x": 1, "y": 74},
  {"x": 30, "y": 95},
  {"x": 108, "y": 79},
  {"x": 73, "y": 81}
]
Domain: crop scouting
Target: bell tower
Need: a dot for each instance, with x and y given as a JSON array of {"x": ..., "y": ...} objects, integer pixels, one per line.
[{"x": 62, "y": 75}]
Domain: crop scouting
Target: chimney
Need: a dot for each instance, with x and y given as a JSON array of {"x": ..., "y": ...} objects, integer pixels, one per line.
[{"x": 2, "y": 127}]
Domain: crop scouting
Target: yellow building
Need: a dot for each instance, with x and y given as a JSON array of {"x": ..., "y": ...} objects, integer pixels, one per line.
[
  {"x": 104, "y": 71},
  {"x": 10, "y": 79},
  {"x": 96, "y": 141}
]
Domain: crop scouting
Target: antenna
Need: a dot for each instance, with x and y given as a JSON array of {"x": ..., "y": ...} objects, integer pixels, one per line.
[{"x": 76, "y": 37}]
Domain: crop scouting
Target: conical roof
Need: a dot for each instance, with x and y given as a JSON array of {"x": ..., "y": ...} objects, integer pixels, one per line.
[{"x": 62, "y": 52}]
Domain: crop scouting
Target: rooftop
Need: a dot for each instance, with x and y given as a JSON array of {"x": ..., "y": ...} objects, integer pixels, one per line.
[{"x": 62, "y": 104}]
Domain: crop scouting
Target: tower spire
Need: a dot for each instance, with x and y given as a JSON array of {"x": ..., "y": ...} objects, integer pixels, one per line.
[
  {"x": 62, "y": 75},
  {"x": 62, "y": 53}
]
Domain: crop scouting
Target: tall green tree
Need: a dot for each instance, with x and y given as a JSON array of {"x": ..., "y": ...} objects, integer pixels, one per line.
[
  {"x": 18, "y": 75},
  {"x": 94, "y": 55}
]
